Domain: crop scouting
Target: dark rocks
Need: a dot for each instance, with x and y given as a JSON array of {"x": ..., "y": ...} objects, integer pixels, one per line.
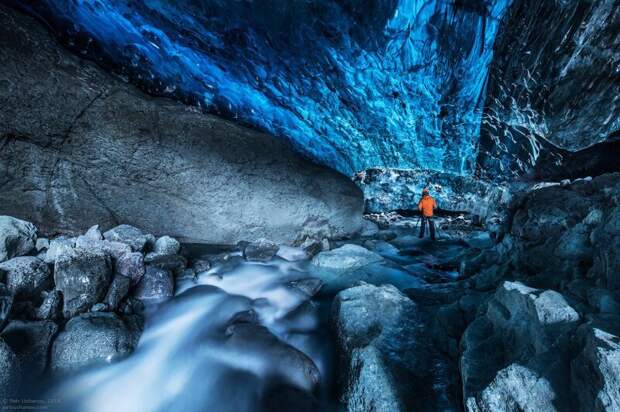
[
  {"x": 10, "y": 371},
  {"x": 174, "y": 263},
  {"x": 221, "y": 162},
  {"x": 166, "y": 245},
  {"x": 128, "y": 235},
  {"x": 51, "y": 307},
  {"x": 311, "y": 246},
  {"x": 6, "y": 305},
  {"x": 90, "y": 339},
  {"x": 155, "y": 284},
  {"x": 26, "y": 276},
  {"x": 117, "y": 291},
  {"x": 31, "y": 342},
  {"x": 201, "y": 265},
  {"x": 131, "y": 265},
  {"x": 261, "y": 250},
  {"x": 346, "y": 258},
  {"x": 17, "y": 237},
  {"x": 83, "y": 278}
]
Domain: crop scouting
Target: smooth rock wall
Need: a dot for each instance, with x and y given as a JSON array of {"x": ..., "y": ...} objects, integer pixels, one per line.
[{"x": 78, "y": 146}]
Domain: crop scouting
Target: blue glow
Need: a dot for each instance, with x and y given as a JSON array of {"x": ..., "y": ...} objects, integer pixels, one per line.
[{"x": 351, "y": 83}]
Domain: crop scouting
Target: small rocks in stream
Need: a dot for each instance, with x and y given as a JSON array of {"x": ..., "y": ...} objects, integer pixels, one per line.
[
  {"x": 292, "y": 254},
  {"x": 347, "y": 257},
  {"x": 129, "y": 235},
  {"x": 83, "y": 278},
  {"x": 261, "y": 250},
  {"x": 17, "y": 237},
  {"x": 117, "y": 291},
  {"x": 89, "y": 339},
  {"x": 10, "y": 371},
  {"x": 26, "y": 276},
  {"x": 31, "y": 342},
  {"x": 155, "y": 284},
  {"x": 6, "y": 305},
  {"x": 308, "y": 286},
  {"x": 201, "y": 265},
  {"x": 174, "y": 263},
  {"x": 51, "y": 306},
  {"x": 311, "y": 246},
  {"x": 167, "y": 245},
  {"x": 131, "y": 265}
]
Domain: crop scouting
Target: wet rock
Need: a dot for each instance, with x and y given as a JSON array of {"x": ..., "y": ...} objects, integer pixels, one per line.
[
  {"x": 311, "y": 246},
  {"x": 376, "y": 336},
  {"x": 58, "y": 247},
  {"x": 117, "y": 291},
  {"x": 345, "y": 258},
  {"x": 479, "y": 240},
  {"x": 51, "y": 307},
  {"x": 369, "y": 228},
  {"x": 83, "y": 278},
  {"x": 129, "y": 235},
  {"x": 131, "y": 265},
  {"x": 155, "y": 284},
  {"x": 201, "y": 265},
  {"x": 174, "y": 263},
  {"x": 166, "y": 245},
  {"x": 17, "y": 237},
  {"x": 99, "y": 307},
  {"x": 261, "y": 250},
  {"x": 90, "y": 339},
  {"x": 26, "y": 276},
  {"x": 307, "y": 286},
  {"x": 31, "y": 342},
  {"x": 6, "y": 305},
  {"x": 42, "y": 244},
  {"x": 10, "y": 371},
  {"x": 595, "y": 371},
  {"x": 292, "y": 254}
]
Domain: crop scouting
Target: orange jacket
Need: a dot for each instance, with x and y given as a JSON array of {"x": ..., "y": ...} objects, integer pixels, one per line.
[{"x": 427, "y": 205}]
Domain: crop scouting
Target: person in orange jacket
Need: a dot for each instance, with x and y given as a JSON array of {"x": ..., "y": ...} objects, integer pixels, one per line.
[{"x": 427, "y": 206}]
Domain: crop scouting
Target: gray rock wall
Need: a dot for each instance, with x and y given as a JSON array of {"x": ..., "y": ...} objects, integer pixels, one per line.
[{"x": 78, "y": 146}]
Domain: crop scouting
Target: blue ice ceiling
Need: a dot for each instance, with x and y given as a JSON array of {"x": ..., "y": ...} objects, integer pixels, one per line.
[{"x": 351, "y": 83}]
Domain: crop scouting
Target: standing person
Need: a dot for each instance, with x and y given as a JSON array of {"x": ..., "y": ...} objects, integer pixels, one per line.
[{"x": 427, "y": 206}]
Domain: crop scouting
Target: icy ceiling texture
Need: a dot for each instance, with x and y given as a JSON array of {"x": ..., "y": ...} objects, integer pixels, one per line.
[{"x": 351, "y": 83}]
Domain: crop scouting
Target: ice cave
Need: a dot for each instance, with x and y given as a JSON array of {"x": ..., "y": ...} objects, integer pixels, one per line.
[{"x": 310, "y": 205}]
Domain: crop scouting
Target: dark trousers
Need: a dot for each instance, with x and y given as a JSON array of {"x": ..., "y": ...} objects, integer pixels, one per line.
[{"x": 431, "y": 226}]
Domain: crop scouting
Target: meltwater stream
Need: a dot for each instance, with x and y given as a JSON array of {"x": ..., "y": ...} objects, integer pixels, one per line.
[{"x": 236, "y": 341}]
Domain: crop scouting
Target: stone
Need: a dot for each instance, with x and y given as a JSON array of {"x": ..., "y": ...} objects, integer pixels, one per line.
[
  {"x": 58, "y": 247},
  {"x": 156, "y": 284},
  {"x": 292, "y": 254},
  {"x": 51, "y": 307},
  {"x": 26, "y": 276},
  {"x": 128, "y": 235},
  {"x": 479, "y": 240},
  {"x": 42, "y": 244},
  {"x": 369, "y": 228},
  {"x": 6, "y": 305},
  {"x": 167, "y": 245},
  {"x": 31, "y": 342},
  {"x": 131, "y": 265},
  {"x": 194, "y": 166},
  {"x": 311, "y": 246},
  {"x": 90, "y": 339},
  {"x": 174, "y": 263},
  {"x": 201, "y": 265},
  {"x": 307, "y": 286},
  {"x": 83, "y": 278},
  {"x": 10, "y": 371},
  {"x": 17, "y": 237},
  {"x": 346, "y": 258},
  {"x": 94, "y": 233},
  {"x": 261, "y": 250},
  {"x": 117, "y": 291},
  {"x": 99, "y": 307}
]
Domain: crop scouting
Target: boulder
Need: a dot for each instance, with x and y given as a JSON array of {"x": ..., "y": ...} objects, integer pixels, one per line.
[
  {"x": 31, "y": 342},
  {"x": 155, "y": 284},
  {"x": 387, "y": 362},
  {"x": 346, "y": 258},
  {"x": 26, "y": 276},
  {"x": 42, "y": 244},
  {"x": 6, "y": 305},
  {"x": 51, "y": 307},
  {"x": 17, "y": 237},
  {"x": 94, "y": 233},
  {"x": 131, "y": 265},
  {"x": 90, "y": 339},
  {"x": 58, "y": 247},
  {"x": 167, "y": 245},
  {"x": 292, "y": 254},
  {"x": 198, "y": 169},
  {"x": 117, "y": 291},
  {"x": 262, "y": 250},
  {"x": 10, "y": 371},
  {"x": 83, "y": 278},
  {"x": 129, "y": 235}
]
